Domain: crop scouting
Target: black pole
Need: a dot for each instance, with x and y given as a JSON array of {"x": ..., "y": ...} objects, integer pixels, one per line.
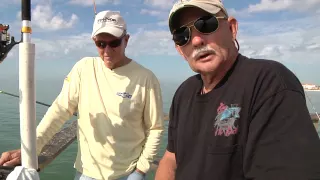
[{"x": 26, "y": 10}]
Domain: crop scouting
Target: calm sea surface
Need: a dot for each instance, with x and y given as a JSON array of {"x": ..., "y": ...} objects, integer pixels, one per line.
[{"x": 47, "y": 90}]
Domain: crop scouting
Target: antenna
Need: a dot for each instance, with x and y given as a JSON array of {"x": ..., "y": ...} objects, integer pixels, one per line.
[{"x": 94, "y": 7}]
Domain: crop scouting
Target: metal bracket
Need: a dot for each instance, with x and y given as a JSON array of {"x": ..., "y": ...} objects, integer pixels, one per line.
[{"x": 6, "y": 42}]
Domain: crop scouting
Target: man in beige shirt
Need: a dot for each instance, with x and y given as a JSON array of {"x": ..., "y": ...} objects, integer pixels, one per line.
[{"x": 119, "y": 104}]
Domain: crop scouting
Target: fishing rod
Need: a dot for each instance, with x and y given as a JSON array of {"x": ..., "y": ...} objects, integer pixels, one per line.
[
  {"x": 13, "y": 95},
  {"x": 313, "y": 107},
  {"x": 27, "y": 105},
  {"x": 309, "y": 99},
  {"x": 94, "y": 7},
  {"x": 26, "y": 83},
  {"x": 7, "y": 42},
  {"x": 38, "y": 102}
]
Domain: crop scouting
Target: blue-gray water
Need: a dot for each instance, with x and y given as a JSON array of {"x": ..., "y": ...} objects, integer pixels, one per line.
[{"x": 47, "y": 90}]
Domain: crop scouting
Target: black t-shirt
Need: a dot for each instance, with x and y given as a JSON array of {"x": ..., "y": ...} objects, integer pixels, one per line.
[{"x": 254, "y": 125}]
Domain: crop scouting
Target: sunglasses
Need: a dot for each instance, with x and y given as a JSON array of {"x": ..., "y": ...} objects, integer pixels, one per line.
[
  {"x": 204, "y": 25},
  {"x": 113, "y": 44}
]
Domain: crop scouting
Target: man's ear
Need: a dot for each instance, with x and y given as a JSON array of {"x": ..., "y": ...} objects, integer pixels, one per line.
[
  {"x": 126, "y": 39},
  {"x": 233, "y": 27}
]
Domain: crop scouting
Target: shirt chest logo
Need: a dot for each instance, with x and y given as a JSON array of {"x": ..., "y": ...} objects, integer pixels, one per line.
[
  {"x": 124, "y": 95},
  {"x": 225, "y": 120}
]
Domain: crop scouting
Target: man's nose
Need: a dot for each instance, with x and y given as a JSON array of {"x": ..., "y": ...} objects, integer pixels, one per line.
[
  {"x": 197, "y": 38},
  {"x": 107, "y": 49}
]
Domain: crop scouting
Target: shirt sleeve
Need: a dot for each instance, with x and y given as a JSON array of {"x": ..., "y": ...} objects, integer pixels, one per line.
[
  {"x": 154, "y": 123},
  {"x": 61, "y": 109},
  {"x": 282, "y": 141}
]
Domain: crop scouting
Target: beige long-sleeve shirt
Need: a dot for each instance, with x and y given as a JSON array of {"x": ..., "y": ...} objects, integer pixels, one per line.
[{"x": 120, "y": 117}]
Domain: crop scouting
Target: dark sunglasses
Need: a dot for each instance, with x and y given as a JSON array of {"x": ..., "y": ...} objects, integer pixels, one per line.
[
  {"x": 113, "y": 44},
  {"x": 204, "y": 25}
]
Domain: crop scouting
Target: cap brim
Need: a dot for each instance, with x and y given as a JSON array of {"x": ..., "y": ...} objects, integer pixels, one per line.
[
  {"x": 211, "y": 10},
  {"x": 114, "y": 31}
]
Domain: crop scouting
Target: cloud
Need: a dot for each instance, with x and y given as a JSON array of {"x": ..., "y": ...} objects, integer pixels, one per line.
[
  {"x": 61, "y": 47},
  {"x": 161, "y": 14},
  {"x": 90, "y": 2},
  {"x": 281, "y": 5},
  {"x": 150, "y": 12},
  {"x": 294, "y": 41},
  {"x": 163, "y": 23},
  {"x": 44, "y": 17},
  {"x": 143, "y": 42},
  {"x": 313, "y": 46},
  {"x": 163, "y": 4},
  {"x": 244, "y": 13},
  {"x": 151, "y": 42},
  {"x": 4, "y": 3}
]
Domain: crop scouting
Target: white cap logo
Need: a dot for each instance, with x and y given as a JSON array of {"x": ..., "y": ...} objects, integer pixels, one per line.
[{"x": 110, "y": 22}]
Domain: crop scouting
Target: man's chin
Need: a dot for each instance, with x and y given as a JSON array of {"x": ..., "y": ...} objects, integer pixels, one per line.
[
  {"x": 204, "y": 68},
  {"x": 107, "y": 59}
]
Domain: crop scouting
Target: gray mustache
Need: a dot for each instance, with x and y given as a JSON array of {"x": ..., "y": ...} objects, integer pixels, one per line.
[{"x": 202, "y": 50}]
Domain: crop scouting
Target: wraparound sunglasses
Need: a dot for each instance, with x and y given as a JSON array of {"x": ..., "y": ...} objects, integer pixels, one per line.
[
  {"x": 113, "y": 44},
  {"x": 204, "y": 25}
]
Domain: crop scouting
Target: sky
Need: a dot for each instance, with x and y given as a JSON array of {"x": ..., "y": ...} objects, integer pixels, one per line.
[{"x": 283, "y": 30}]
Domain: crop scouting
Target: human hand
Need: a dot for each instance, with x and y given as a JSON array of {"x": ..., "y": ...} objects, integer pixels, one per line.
[
  {"x": 11, "y": 158},
  {"x": 136, "y": 175}
]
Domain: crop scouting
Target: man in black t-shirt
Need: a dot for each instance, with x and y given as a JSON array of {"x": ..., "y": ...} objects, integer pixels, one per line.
[{"x": 238, "y": 118}]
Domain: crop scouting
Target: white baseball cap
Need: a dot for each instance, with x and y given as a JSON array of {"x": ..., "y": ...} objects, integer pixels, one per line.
[{"x": 110, "y": 22}]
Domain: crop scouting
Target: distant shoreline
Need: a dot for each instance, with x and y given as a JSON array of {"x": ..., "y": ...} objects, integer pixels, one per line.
[{"x": 311, "y": 89}]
